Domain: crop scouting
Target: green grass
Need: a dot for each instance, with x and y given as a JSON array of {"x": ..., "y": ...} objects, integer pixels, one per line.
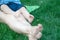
[{"x": 48, "y": 14}]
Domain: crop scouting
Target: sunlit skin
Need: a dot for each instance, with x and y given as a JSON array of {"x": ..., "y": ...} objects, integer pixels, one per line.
[{"x": 21, "y": 26}]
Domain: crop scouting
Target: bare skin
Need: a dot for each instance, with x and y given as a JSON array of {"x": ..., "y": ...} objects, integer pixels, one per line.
[
  {"x": 22, "y": 11},
  {"x": 19, "y": 27},
  {"x": 21, "y": 15}
]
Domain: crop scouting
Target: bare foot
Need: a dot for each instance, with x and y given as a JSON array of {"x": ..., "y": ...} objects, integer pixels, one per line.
[{"x": 36, "y": 30}]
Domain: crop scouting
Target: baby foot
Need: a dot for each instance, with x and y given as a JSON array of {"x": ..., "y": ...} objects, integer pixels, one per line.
[
  {"x": 36, "y": 30},
  {"x": 30, "y": 19}
]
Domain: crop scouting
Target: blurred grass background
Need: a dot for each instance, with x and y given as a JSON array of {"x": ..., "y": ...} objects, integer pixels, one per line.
[{"x": 48, "y": 14}]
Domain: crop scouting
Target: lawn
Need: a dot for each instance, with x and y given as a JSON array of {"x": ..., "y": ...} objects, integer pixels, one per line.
[{"x": 47, "y": 13}]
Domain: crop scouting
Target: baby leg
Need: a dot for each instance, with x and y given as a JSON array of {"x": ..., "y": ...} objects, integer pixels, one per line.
[
  {"x": 14, "y": 24},
  {"x": 19, "y": 17},
  {"x": 22, "y": 10},
  {"x": 18, "y": 26},
  {"x": 6, "y": 9}
]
